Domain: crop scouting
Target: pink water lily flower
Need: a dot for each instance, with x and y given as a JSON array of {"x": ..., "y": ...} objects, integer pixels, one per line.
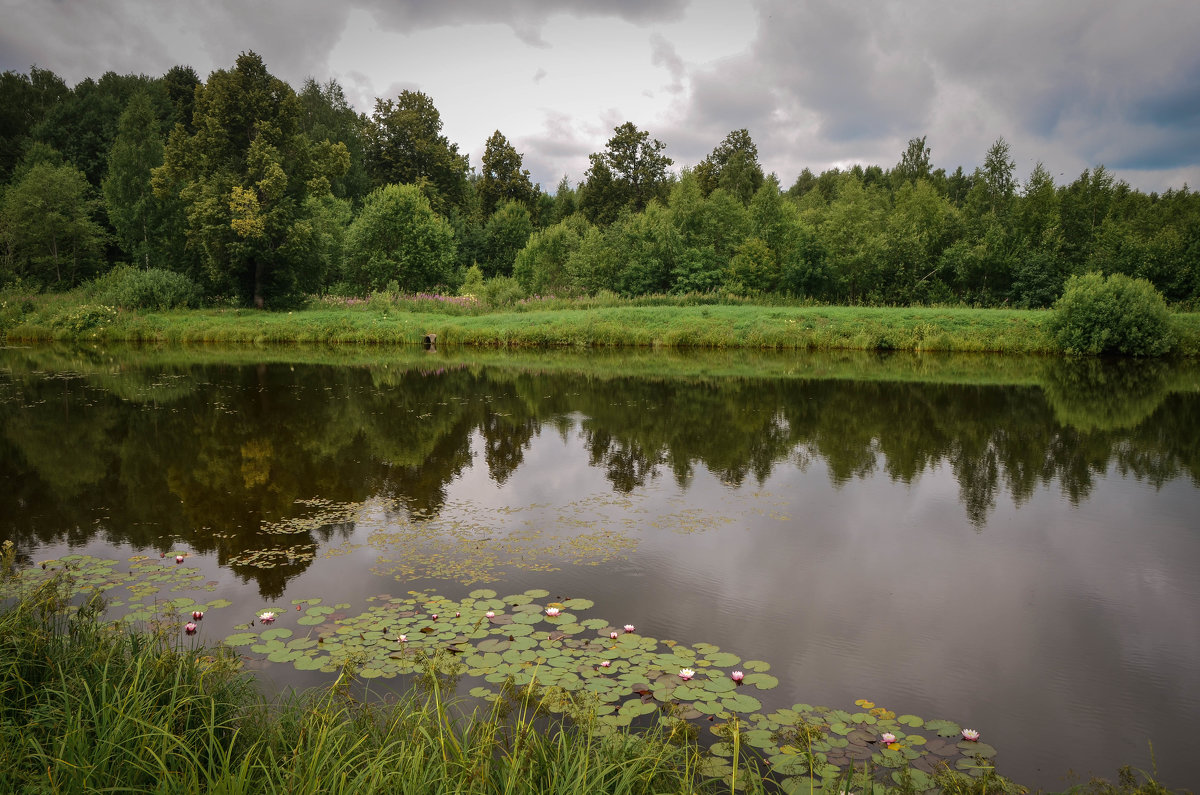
[
  {"x": 737, "y": 676},
  {"x": 553, "y": 612},
  {"x": 457, "y": 614},
  {"x": 970, "y": 734},
  {"x": 197, "y": 614},
  {"x": 434, "y": 616},
  {"x": 686, "y": 673},
  {"x": 888, "y": 737},
  {"x": 605, "y": 663},
  {"x": 613, "y": 635},
  {"x": 190, "y": 628},
  {"x": 490, "y": 614},
  {"x": 402, "y": 638},
  {"x": 266, "y": 617},
  {"x": 629, "y": 627},
  {"x": 179, "y": 558}
]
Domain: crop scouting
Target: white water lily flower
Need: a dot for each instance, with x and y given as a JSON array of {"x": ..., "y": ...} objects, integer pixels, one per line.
[
  {"x": 686, "y": 673},
  {"x": 970, "y": 734},
  {"x": 553, "y": 611},
  {"x": 266, "y": 617}
]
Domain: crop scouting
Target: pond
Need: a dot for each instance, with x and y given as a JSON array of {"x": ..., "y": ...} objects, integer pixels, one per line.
[{"x": 1008, "y": 544}]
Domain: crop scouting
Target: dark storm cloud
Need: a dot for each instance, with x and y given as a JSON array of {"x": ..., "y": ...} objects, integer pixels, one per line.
[{"x": 82, "y": 39}]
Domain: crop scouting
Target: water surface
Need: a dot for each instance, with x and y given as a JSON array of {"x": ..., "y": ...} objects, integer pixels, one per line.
[{"x": 1008, "y": 543}]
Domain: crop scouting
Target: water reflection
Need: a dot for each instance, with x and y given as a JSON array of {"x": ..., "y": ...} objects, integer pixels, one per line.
[{"x": 210, "y": 453}]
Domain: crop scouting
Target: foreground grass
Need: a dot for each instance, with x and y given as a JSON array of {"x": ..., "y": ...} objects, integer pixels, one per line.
[{"x": 88, "y": 706}]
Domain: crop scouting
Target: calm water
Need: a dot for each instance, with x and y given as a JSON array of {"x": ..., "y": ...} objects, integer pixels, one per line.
[{"x": 1010, "y": 544}]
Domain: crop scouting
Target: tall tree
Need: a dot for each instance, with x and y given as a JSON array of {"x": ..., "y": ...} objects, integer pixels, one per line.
[
  {"x": 405, "y": 145},
  {"x": 732, "y": 165},
  {"x": 326, "y": 115},
  {"x": 135, "y": 213},
  {"x": 244, "y": 176},
  {"x": 998, "y": 177},
  {"x": 503, "y": 179},
  {"x": 914, "y": 162},
  {"x": 630, "y": 172}
]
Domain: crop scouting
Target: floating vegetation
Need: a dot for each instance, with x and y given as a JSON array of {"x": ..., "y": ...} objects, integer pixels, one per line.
[
  {"x": 606, "y": 677},
  {"x": 134, "y": 593},
  {"x": 474, "y": 544}
]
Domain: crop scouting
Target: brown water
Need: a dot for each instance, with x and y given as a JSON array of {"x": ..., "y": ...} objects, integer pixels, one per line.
[{"x": 1010, "y": 544}]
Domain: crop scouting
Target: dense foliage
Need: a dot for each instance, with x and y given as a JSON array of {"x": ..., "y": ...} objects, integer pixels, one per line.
[
  {"x": 1114, "y": 314},
  {"x": 258, "y": 193}
]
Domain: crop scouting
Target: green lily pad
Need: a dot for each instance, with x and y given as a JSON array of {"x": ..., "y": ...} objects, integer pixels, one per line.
[
  {"x": 911, "y": 720},
  {"x": 761, "y": 681},
  {"x": 756, "y": 665},
  {"x": 241, "y": 639}
]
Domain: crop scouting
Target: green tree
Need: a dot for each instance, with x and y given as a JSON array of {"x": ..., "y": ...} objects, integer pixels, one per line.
[
  {"x": 503, "y": 179},
  {"x": 326, "y": 115},
  {"x": 630, "y": 172},
  {"x": 24, "y": 102},
  {"x": 914, "y": 162},
  {"x": 136, "y": 214},
  {"x": 541, "y": 267},
  {"x": 84, "y": 123},
  {"x": 504, "y": 235},
  {"x": 180, "y": 83},
  {"x": 398, "y": 237},
  {"x": 732, "y": 165},
  {"x": 244, "y": 177},
  {"x": 997, "y": 178},
  {"x": 405, "y": 145},
  {"x": 50, "y": 237}
]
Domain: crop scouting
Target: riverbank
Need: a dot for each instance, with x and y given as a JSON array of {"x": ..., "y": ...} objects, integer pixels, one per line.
[
  {"x": 692, "y": 321},
  {"x": 560, "y": 323}
]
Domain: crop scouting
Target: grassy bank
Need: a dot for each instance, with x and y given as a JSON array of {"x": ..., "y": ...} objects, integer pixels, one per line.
[{"x": 672, "y": 322}]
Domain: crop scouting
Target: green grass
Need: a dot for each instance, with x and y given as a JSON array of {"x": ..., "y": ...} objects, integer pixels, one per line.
[{"x": 659, "y": 322}]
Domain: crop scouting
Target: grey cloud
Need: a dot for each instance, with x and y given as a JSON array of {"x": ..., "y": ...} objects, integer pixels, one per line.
[
  {"x": 539, "y": 75},
  {"x": 524, "y": 17},
  {"x": 663, "y": 54}
]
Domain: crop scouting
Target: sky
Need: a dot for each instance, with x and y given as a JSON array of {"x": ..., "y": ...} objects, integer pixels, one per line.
[{"x": 818, "y": 83}]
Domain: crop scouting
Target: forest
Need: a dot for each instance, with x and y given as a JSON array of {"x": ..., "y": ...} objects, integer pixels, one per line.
[{"x": 241, "y": 190}]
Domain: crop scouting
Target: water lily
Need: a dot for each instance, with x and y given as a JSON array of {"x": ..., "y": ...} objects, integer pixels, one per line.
[
  {"x": 888, "y": 737},
  {"x": 179, "y": 558},
  {"x": 266, "y": 617},
  {"x": 197, "y": 615},
  {"x": 434, "y": 616},
  {"x": 686, "y": 673},
  {"x": 737, "y": 676},
  {"x": 490, "y": 614},
  {"x": 402, "y": 638},
  {"x": 189, "y": 628},
  {"x": 553, "y": 611},
  {"x": 457, "y": 614},
  {"x": 613, "y": 635},
  {"x": 605, "y": 663},
  {"x": 629, "y": 627},
  {"x": 970, "y": 734}
]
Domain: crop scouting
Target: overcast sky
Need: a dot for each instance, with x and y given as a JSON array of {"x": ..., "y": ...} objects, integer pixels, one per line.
[{"x": 1071, "y": 83}]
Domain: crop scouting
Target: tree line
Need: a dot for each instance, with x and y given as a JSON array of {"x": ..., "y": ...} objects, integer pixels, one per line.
[{"x": 261, "y": 194}]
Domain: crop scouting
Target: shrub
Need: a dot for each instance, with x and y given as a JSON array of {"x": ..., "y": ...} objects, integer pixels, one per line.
[
  {"x": 1116, "y": 314},
  {"x": 153, "y": 288}
]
